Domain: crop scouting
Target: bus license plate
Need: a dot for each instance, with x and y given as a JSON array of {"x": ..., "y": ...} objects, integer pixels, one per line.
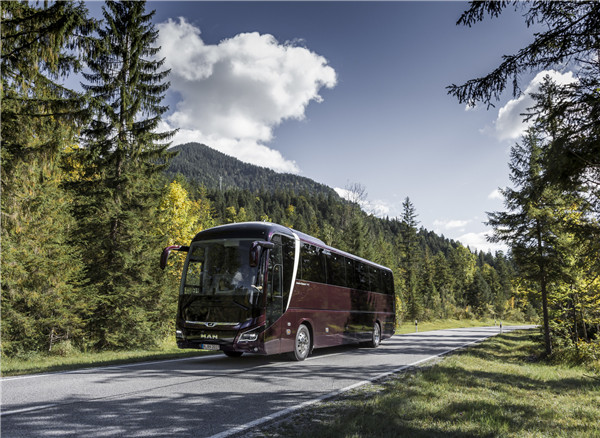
[{"x": 213, "y": 347}]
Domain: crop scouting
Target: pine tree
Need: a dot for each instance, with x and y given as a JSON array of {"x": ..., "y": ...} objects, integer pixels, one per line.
[
  {"x": 121, "y": 189},
  {"x": 41, "y": 302},
  {"x": 409, "y": 256},
  {"x": 532, "y": 226}
]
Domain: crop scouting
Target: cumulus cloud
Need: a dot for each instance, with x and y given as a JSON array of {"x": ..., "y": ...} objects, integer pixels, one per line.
[
  {"x": 509, "y": 123},
  {"x": 451, "y": 224},
  {"x": 495, "y": 195},
  {"x": 233, "y": 94},
  {"x": 478, "y": 241}
]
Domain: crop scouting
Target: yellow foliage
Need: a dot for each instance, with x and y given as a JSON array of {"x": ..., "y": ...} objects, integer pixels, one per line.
[{"x": 182, "y": 218}]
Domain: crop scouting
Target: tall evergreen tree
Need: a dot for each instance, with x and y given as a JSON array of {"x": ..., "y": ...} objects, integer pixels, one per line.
[
  {"x": 532, "y": 226},
  {"x": 40, "y": 117},
  {"x": 120, "y": 190},
  {"x": 409, "y": 257}
]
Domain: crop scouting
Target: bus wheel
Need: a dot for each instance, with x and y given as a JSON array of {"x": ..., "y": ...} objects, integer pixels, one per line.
[
  {"x": 301, "y": 344},
  {"x": 375, "y": 336},
  {"x": 233, "y": 353}
]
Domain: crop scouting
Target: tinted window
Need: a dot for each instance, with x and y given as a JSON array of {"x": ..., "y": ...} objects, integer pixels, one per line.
[
  {"x": 362, "y": 272},
  {"x": 375, "y": 280},
  {"x": 351, "y": 274},
  {"x": 336, "y": 269},
  {"x": 388, "y": 282},
  {"x": 313, "y": 264}
]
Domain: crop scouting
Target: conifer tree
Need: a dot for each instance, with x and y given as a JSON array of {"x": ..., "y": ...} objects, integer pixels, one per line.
[
  {"x": 532, "y": 226},
  {"x": 40, "y": 270},
  {"x": 121, "y": 189},
  {"x": 409, "y": 256}
]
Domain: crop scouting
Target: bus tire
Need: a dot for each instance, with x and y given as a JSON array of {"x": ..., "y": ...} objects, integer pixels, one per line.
[
  {"x": 302, "y": 343},
  {"x": 233, "y": 353},
  {"x": 375, "y": 336}
]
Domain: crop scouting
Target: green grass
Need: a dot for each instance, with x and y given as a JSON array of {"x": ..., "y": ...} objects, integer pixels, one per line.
[
  {"x": 494, "y": 389},
  {"x": 425, "y": 326},
  {"x": 42, "y": 363}
]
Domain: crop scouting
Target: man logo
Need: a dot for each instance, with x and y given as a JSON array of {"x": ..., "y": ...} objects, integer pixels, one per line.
[{"x": 208, "y": 336}]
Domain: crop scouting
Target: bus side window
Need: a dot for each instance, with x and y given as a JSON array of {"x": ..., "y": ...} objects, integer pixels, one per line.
[
  {"x": 336, "y": 270},
  {"x": 313, "y": 264},
  {"x": 376, "y": 280},
  {"x": 388, "y": 282},
  {"x": 351, "y": 273},
  {"x": 363, "y": 275}
]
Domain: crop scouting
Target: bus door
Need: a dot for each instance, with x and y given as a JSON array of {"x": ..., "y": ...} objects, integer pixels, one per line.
[{"x": 275, "y": 286}]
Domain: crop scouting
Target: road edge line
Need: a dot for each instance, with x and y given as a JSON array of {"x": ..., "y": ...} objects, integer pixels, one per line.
[{"x": 244, "y": 427}]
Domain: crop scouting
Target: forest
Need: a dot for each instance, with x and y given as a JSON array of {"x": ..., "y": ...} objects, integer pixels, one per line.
[{"x": 91, "y": 193}]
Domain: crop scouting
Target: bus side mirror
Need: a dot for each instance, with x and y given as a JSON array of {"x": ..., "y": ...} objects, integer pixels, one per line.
[
  {"x": 255, "y": 253},
  {"x": 165, "y": 254}
]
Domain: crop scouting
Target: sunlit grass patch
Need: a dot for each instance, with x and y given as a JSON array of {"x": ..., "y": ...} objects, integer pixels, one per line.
[
  {"x": 441, "y": 324},
  {"x": 494, "y": 389}
]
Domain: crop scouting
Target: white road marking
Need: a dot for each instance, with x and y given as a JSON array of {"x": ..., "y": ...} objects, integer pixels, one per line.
[
  {"x": 266, "y": 419},
  {"x": 108, "y": 367},
  {"x": 30, "y": 409}
]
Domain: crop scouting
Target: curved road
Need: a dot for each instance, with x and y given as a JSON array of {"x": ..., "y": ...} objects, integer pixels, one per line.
[{"x": 205, "y": 396}]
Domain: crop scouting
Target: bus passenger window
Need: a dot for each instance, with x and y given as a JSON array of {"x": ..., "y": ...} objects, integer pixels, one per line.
[
  {"x": 336, "y": 270},
  {"x": 375, "y": 280},
  {"x": 313, "y": 266},
  {"x": 388, "y": 282},
  {"x": 351, "y": 274},
  {"x": 363, "y": 275}
]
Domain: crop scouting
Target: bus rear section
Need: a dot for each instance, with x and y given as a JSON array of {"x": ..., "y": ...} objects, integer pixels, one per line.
[{"x": 250, "y": 287}]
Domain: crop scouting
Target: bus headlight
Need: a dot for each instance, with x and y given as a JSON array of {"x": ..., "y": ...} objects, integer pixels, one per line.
[
  {"x": 248, "y": 337},
  {"x": 178, "y": 334}
]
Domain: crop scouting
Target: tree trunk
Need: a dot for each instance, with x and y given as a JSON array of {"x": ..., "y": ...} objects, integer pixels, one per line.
[{"x": 544, "y": 288}]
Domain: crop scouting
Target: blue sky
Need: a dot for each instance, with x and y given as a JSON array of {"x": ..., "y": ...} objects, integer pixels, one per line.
[{"x": 350, "y": 92}]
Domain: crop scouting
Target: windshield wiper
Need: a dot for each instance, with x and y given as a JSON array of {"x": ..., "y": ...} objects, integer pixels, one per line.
[{"x": 241, "y": 305}]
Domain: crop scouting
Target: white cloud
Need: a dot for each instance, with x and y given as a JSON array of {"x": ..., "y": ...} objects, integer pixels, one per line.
[
  {"x": 233, "y": 94},
  {"x": 509, "y": 124},
  {"x": 451, "y": 224},
  {"x": 495, "y": 195},
  {"x": 478, "y": 241}
]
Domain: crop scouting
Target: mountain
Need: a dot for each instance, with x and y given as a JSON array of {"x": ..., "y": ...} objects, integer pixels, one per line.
[{"x": 213, "y": 169}]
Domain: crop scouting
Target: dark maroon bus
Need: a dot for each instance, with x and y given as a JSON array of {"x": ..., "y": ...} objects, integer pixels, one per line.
[{"x": 264, "y": 288}]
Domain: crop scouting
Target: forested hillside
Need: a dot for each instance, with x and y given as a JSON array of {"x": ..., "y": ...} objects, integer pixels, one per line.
[
  {"x": 435, "y": 277},
  {"x": 213, "y": 169}
]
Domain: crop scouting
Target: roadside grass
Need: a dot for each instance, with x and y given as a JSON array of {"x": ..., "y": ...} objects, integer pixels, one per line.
[
  {"x": 425, "y": 326},
  {"x": 43, "y": 363},
  {"x": 497, "y": 388}
]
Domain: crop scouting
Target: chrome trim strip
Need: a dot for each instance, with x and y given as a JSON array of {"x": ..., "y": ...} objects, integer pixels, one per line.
[
  {"x": 211, "y": 324},
  {"x": 295, "y": 271}
]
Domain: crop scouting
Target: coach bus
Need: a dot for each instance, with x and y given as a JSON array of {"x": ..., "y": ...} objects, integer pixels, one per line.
[{"x": 264, "y": 288}]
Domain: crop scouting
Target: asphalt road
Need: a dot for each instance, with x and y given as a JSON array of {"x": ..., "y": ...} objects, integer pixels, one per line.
[{"x": 206, "y": 396}]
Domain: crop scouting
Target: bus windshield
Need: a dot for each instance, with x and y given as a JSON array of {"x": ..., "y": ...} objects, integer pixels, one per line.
[{"x": 220, "y": 269}]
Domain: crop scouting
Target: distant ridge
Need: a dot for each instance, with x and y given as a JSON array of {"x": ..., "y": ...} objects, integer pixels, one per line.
[{"x": 209, "y": 167}]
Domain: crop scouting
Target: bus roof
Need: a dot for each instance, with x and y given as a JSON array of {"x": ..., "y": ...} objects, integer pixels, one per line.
[{"x": 264, "y": 231}]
